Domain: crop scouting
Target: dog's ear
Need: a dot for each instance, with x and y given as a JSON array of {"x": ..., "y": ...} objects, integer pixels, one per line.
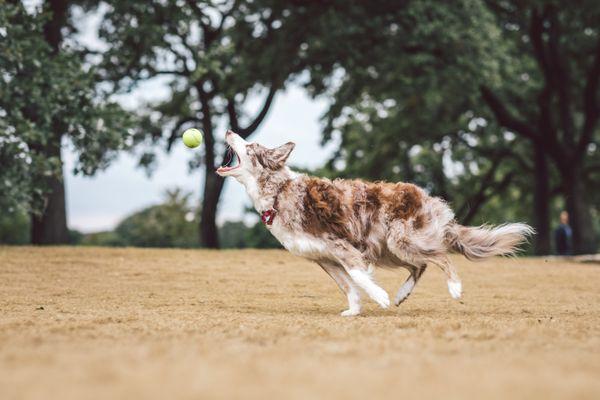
[{"x": 279, "y": 155}]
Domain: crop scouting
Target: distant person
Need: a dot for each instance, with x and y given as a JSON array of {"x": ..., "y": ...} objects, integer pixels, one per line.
[{"x": 564, "y": 236}]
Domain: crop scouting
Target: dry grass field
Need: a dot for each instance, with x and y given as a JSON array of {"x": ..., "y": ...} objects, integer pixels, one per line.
[{"x": 79, "y": 323}]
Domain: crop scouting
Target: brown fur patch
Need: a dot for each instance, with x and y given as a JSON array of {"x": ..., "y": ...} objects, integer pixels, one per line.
[
  {"x": 371, "y": 206},
  {"x": 349, "y": 209},
  {"x": 404, "y": 201},
  {"x": 358, "y": 200},
  {"x": 419, "y": 221},
  {"x": 374, "y": 195},
  {"x": 325, "y": 211}
]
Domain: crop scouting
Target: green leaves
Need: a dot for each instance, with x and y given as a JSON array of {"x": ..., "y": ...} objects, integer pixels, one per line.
[
  {"x": 171, "y": 224},
  {"x": 48, "y": 100},
  {"x": 404, "y": 78}
]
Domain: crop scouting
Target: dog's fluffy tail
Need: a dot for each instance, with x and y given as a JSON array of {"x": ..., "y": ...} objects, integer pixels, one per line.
[{"x": 485, "y": 241}]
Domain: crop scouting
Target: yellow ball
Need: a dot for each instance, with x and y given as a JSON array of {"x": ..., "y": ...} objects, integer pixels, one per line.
[{"x": 192, "y": 138}]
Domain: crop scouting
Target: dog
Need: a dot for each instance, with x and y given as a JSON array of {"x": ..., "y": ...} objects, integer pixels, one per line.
[{"x": 350, "y": 226}]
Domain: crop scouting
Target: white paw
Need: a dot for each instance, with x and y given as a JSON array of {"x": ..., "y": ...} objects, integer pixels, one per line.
[
  {"x": 455, "y": 289},
  {"x": 364, "y": 280},
  {"x": 350, "y": 313},
  {"x": 381, "y": 297},
  {"x": 403, "y": 293},
  {"x": 400, "y": 298}
]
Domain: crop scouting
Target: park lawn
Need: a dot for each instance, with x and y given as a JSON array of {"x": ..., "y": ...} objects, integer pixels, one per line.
[{"x": 138, "y": 323}]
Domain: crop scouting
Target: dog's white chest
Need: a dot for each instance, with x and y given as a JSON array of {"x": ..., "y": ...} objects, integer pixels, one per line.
[{"x": 298, "y": 243}]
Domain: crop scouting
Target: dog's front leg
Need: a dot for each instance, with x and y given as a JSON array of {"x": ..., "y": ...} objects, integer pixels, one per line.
[
  {"x": 357, "y": 268},
  {"x": 346, "y": 285}
]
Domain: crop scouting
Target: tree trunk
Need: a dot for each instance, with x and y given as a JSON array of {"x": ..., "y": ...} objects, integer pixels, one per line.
[
  {"x": 58, "y": 20},
  {"x": 580, "y": 218},
  {"x": 541, "y": 202},
  {"x": 209, "y": 235},
  {"x": 51, "y": 226}
]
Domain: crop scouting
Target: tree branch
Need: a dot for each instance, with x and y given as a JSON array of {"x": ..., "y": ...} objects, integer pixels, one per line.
[
  {"x": 420, "y": 49},
  {"x": 226, "y": 14},
  {"x": 233, "y": 119},
  {"x": 495, "y": 189},
  {"x": 479, "y": 196},
  {"x": 493, "y": 152},
  {"x": 154, "y": 71},
  {"x": 249, "y": 130},
  {"x": 181, "y": 56},
  {"x": 198, "y": 13},
  {"x": 472, "y": 205},
  {"x": 505, "y": 118},
  {"x": 209, "y": 34}
]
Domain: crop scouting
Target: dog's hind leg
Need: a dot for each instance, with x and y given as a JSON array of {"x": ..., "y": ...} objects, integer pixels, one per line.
[
  {"x": 409, "y": 256},
  {"x": 454, "y": 284},
  {"x": 346, "y": 285},
  {"x": 406, "y": 289}
]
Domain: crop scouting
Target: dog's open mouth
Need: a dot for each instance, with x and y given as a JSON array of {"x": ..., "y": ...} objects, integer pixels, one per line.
[{"x": 231, "y": 158}]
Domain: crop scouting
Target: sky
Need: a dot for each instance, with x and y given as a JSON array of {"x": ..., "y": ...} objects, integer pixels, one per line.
[{"x": 98, "y": 203}]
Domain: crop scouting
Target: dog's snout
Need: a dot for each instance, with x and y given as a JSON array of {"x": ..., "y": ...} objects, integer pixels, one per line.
[{"x": 230, "y": 137}]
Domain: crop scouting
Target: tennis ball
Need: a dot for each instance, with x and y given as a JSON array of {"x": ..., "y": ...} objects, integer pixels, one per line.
[{"x": 192, "y": 138}]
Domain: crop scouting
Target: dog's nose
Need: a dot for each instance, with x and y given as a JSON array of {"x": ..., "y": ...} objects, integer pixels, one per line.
[{"x": 229, "y": 132}]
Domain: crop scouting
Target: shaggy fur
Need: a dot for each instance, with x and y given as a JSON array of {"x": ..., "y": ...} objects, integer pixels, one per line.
[{"x": 349, "y": 226}]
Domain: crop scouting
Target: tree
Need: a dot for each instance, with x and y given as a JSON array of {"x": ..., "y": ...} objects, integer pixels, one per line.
[
  {"x": 238, "y": 235},
  {"x": 554, "y": 102},
  {"x": 14, "y": 228},
  {"x": 217, "y": 55},
  {"x": 47, "y": 97},
  {"x": 405, "y": 96},
  {"x": 171, "y": 224},
  {"x": 418, "y": 74}
]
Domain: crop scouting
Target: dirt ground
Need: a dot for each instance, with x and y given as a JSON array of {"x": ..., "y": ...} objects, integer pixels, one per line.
[{"x": 79, "y": 323}]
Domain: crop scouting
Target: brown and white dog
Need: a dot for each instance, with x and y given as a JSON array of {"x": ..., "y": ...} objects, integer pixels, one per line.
[{"x": 349, "y": 226}]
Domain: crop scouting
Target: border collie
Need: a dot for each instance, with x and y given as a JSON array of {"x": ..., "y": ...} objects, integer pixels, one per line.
[{"x": 350, "y": 226}]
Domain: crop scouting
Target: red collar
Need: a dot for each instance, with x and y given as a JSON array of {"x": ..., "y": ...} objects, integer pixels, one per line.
[{"x": 268, "y": 216}]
